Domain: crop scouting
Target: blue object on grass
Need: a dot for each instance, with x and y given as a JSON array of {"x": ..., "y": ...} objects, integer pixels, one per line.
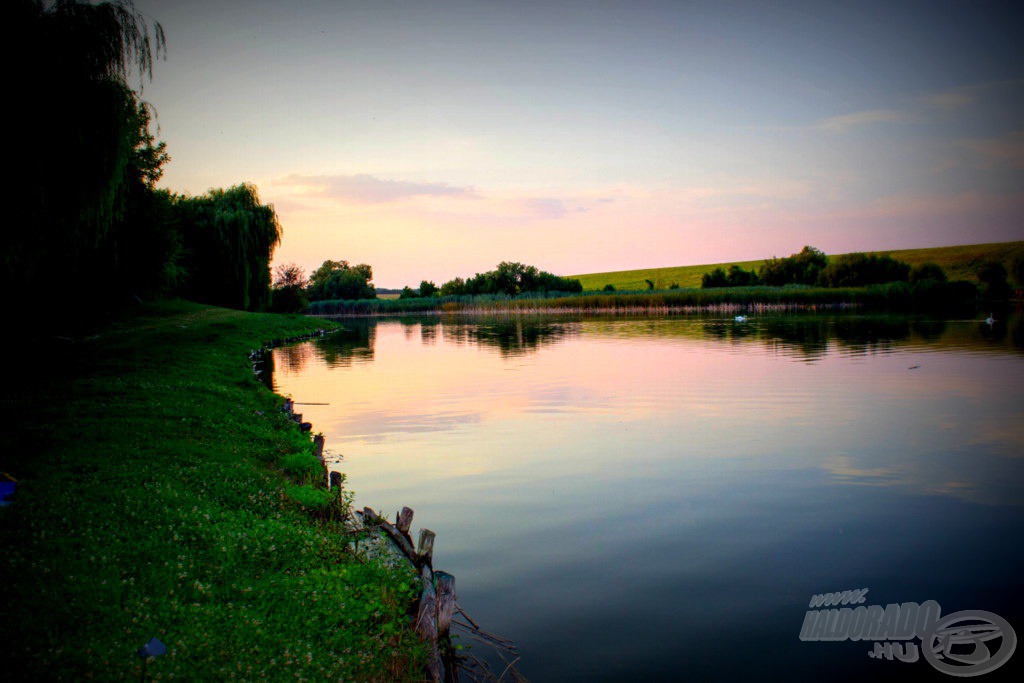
[
  {"x": 6, "y": 491},
  {"x": 154, "y": 648}
]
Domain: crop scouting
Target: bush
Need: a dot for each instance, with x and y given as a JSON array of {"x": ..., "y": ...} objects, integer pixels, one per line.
[
  {"x": 994, "y": 285},
  {"x": 927, "y": 271},
  {"x": 862, "y": 270},
  {"x": 288, "y": 300}
]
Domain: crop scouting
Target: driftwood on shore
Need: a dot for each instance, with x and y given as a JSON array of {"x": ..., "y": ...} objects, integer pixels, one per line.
[{"x": 438, "y": 605}]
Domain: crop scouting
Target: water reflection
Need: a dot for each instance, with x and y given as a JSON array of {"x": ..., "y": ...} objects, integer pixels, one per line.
[{"x": 694, "y": 475}]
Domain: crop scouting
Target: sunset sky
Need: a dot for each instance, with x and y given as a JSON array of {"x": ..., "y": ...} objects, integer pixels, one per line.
[{"x": 436, "y": 138}]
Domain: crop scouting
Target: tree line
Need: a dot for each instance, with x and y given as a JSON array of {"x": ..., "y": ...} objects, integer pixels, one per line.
[
  {"x": 340, "y": 281},
  {"x": 90, "y": 227},
  {"x": 811, "y": 267}
]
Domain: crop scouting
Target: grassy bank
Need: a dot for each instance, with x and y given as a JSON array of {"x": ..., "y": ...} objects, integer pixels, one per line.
[
  {"x": 960, "y": 263},
  {"x": 159, "y": 496}
]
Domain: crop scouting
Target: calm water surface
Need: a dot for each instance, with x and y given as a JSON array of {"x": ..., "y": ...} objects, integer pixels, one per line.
[{"x": 658, "y": 498}]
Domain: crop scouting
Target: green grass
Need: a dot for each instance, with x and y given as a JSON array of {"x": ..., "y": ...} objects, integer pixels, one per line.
[
  {"x": 960, "y": 263},
  {"x": 163, "y": 494}
]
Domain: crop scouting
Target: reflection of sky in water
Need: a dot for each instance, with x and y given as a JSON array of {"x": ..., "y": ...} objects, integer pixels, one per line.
[{"x": 583, "y": 470}]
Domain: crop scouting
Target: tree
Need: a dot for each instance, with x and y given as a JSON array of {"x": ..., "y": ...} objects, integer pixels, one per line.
[
  {"x": 229, "y": 237},
  {"x": 75, "y": 172},
  {"x": 737, "y": 277},
  {"x": 427, "y": 288},
  {"x": 860, "y": 270},
  {"x": 338, "y": 280},
  {"x": 288, "y": 291},
  {"x": 994, "y": 285},
  {"x": 407, "y": 293},
  {"x": 714, "y": 278},
  {"x": 927, "y": 271},
  {"x": 512, "y": 278},
  {"x": 802, "y": 268},
  {"x": 454, "y": 287},
  {"x": 1017, "y": 268},
  {"x": 289, "y": 275}
]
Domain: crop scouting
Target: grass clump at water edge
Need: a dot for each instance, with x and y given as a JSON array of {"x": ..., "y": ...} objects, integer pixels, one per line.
[{"x": 163, "y": 494}]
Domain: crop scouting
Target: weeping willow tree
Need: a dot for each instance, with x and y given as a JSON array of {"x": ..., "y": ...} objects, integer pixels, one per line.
[
  {"x": 77, "y": 146},
  {"x": 229, "y": 238}
]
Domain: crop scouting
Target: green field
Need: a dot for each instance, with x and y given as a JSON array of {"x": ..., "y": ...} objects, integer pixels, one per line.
[
  {"x": 959, "y": 262},
  {"x": 163, "y": 494}
]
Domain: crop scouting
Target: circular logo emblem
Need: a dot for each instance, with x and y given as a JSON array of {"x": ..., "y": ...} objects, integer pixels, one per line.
[{"x": 961, "y": 644}]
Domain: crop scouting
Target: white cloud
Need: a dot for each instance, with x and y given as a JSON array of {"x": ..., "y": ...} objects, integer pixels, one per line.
[{"x": 363, "y": 188}]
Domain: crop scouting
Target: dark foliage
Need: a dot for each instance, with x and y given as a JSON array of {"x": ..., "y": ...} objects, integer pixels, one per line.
[
  {"x": 229, "y": 238},
  {"x": 736, "y": 277},
  {"x": 799, "y": 269},
  {"x": 861, "y": 270},
  {"x": 338, "y": 280},
  {"x": 511, "y": 279}
]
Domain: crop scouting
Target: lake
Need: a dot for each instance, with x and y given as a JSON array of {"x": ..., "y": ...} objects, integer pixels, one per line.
[{"x": 658, "y": 499}]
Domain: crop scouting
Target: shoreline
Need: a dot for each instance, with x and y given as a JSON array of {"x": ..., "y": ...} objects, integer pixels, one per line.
[{"x": 162, "y": 494}]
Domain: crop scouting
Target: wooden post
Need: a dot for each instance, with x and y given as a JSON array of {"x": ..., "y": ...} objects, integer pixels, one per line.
[
  {"x": 425, "y": 548},
  {"x": 318, "y": 446},
  {"x": 336, "y": 479},
  {"x": 445, "y": 602},
  {"x": 403, "y": 522},
  {"x": 426, "y": 624}
]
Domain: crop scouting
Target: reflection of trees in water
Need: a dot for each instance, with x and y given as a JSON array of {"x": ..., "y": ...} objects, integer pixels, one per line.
[
  {"x": 350, "y": 345},
  {"x": 428, "y": 331},
  {"x": 811, "y": 337},
  {"x": 511, "y": 335},
  {"x": 353, "y": 344},
  {"x": 806, "y": 337},
  {"x": 293, "y": 357}
]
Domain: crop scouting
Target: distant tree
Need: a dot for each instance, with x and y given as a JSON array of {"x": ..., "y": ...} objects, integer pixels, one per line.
[
  {"x": 775, "y": 272},
  {"x": 808, "y": 265},
  {"x": 454, "y": 287},
  {"x": 289, "y": 275},
  {"x": 927, "y": 271},
  {"x": 650, "y": 284},
  {"x": 737, "y": 277},
  {"x": 802, "y": 268},
  {"x": 1017, "y": 269},
  {"x": 512, "y": 279},
  {"x": 288, "y": 294},
  {"x": 674, "y": 285},
  {"x": 994, "y": 285},
  {"x": 714, "y": 278},
  {"x": 408, "y": 293},
  {"x": 427, "y": 288},
  {"x": 338, "y": 280},
  {"x": 860, "y": 270},
  {"x": 609, "y": 288}
]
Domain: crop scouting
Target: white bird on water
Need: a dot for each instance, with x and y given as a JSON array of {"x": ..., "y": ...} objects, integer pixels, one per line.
[
  {"x": 741, "y": 318},
  {"x": 990, "y": 320}
]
